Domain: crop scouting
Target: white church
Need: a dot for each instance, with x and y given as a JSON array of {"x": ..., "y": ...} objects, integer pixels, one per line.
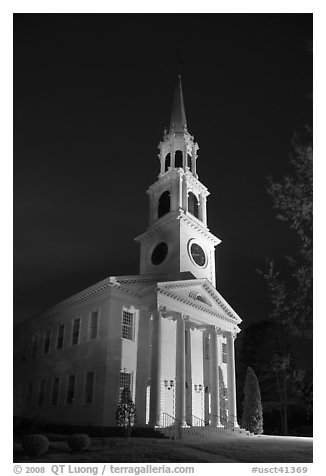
[{"x": 166, "y": 333}]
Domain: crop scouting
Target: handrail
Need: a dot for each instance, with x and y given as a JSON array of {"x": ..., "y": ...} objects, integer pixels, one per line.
[
  {"x": 173, "y": 423},
  {"x": 170, "y": 420},
  {"x": 198, "y": 421}
]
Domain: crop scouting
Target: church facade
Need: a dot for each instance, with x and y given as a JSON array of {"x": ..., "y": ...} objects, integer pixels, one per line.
[{"x": 166, "y": 333}]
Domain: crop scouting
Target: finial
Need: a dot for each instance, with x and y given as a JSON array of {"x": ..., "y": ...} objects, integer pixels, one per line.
[
  {"x": 178, "y": 63},
  {"x": 178, "y": 121}
]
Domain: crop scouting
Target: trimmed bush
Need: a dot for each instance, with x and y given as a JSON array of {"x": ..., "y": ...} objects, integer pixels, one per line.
[
  {"x": 35, "y": 445},
  {"x": 126, "y": 412},
  {"x": 79, "y": 442}
]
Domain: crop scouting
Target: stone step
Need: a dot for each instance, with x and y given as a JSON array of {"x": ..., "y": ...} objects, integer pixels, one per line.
[{"x": 201, "y": 432}]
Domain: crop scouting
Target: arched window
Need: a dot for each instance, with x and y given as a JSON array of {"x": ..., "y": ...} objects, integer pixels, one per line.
[
  {"x": 178, "y": 158},
  {"x": 189, "y": 161},
  {"x": 167, "y": 162},
  {"x": 193, "y": 204},
  {"x": 164, "y": 204}
]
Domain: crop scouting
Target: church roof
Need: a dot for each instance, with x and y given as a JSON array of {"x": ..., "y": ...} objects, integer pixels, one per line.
[
  {"x": 178, "y": 117},
  {"x": 196, "y": 295}
]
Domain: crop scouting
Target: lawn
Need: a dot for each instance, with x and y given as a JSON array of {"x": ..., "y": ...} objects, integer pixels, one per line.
[
  {"x": 115, "y": 450},
  {"x": 259, "y": 449}
]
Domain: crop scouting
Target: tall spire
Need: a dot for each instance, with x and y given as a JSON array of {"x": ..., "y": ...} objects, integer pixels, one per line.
[{"x": 178, "y": 118}]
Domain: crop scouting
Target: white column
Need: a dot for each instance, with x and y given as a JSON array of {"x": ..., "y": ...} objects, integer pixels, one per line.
[
  {"x": 172, "y": 152},
  {"x": 193, "y": 160},
  {"x": 180, "y": 390},
  {"x": 202, "y": 209},
  {"x": 214, "y": 377},
  {"x": 155, "y": 395},
  {"x": 188, "y": 371},
  {"x": 185, "y": 158},
  {"x": 180, "y": 192},
  {"x": 184, "y": 194},
  {"x": 204, "y": 212},
  {"x": 206, "y": 375},
  {"x": 174, "y": 197},
  {"x": 200, "y": 214},
  {"x": 162, "y": 159},
  {"x": 231, "y": 388}
]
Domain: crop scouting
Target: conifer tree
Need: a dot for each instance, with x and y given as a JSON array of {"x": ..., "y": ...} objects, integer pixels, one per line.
[
  {"x": 126, "y": 411},
  {"x": 252, "y": 413}
]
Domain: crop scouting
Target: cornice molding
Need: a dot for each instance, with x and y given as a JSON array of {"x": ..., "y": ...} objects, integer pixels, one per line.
[
  {"x": 196, "y": 224},
  {"x": 173, "y": 174},
  {"x": 157, "y": 226},
  {"x": 113, "y": 282},
  {"x": 184, "y": 217},
  {"x": 197, "y": 184},
  {"x": 164, "y": 179}
]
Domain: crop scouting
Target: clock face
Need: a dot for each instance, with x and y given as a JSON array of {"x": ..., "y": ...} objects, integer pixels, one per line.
[
  {"x": 198, "y": 254},
  {"x": 159, "y": 253}
]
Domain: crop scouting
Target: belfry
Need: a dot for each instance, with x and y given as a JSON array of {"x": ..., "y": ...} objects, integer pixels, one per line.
[
  {"x": 166, "y": 334},
  {"x": 178, "y": 239}
]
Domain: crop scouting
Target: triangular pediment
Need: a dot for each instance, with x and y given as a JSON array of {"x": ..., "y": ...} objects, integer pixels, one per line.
[{"x": 201, "y": 294}]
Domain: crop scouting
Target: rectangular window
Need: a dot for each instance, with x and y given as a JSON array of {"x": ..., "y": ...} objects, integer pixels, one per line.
[
  {"x": 55, "y": 391},
  {"x": 75, "y": 331},
  {"x": 125, "y": 381},
  {"x": 224, "y": 358},
  {"x": 34, "y": 347},
  {"x": 207, "y": 347},
  {"x": 47, "y": 341},
  {"x": 30, "y": 391},
  {"x": 61, "y": 332},
  {"x": 127, "y": 325},
  {"x": 71, "y": 389},
  {"x": 41, "y": 393},
  {"x": 89, "y": 387},
  {"x": 93, "y": 325}
]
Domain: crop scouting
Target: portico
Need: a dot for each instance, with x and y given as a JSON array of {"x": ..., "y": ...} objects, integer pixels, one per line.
[{"x": 189, "y": 328}]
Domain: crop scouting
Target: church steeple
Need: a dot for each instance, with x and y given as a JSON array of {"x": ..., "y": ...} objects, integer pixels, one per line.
[
  {"x": 177, "y": 239},
  {"x": 178, "y": 117}
]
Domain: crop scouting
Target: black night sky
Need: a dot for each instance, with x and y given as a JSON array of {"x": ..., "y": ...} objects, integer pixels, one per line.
[{"x": 92, "y": 95}]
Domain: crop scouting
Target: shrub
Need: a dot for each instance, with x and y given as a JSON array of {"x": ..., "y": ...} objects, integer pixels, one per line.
[
  {"x": 35, "y": 445},
  {"x": 79, "y": 442}
]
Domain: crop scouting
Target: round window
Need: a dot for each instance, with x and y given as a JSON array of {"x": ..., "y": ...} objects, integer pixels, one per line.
[
  {"x": 198, "y": 254},
  {"x": 159, "y": 253}
]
